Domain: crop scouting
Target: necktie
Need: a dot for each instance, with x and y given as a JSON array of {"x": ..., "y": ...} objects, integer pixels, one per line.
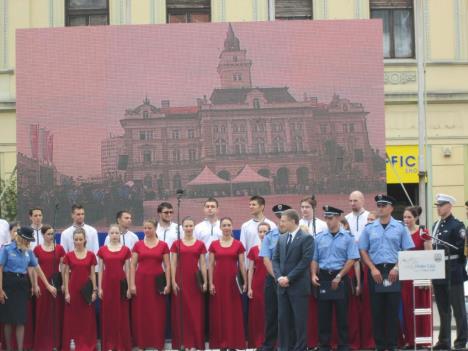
[{"x": 288, "y": 242}]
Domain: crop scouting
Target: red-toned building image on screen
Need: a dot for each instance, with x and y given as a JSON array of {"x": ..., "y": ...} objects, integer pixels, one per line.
[{"x": 296, "y": 129}]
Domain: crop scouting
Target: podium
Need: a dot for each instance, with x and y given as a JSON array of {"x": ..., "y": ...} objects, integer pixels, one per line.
[{"x": 421, "y": 267}]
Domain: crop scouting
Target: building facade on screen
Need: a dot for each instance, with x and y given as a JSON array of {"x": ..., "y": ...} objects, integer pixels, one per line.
[{"x": 244, "y": 139}]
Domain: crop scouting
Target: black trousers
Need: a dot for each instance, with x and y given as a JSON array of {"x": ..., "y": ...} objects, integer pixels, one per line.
[
  {"x": 292, "y": 321},
  {"x": 384, "y": 316},
  {"x": 271, "y": 314},
  {"x": 324, "y": 315},
  {"x": 446, "y": 300}
]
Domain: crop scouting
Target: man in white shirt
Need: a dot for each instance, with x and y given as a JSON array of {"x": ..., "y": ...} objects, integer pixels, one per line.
[
  {"x": 249, "y": 230},
  {"x": 357, "y": 218},
  {"x": 127, "y": 237},
  {"x": 78, "y": 217},
  {"x": 209, "y": 230},
  {"x": 166, "y": 229},
  {"x": 4, "y": 232},
  {"x": 314, "y": 225},
  {"x": 36, "y": 216}
]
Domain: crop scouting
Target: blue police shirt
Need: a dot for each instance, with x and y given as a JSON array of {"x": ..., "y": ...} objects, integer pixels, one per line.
[
  {"x": 332, "y": 251},
  {"x": 269, "y": 243},
  {"x": 383, "y": 245},
  {"x": 15, "y": 260}
]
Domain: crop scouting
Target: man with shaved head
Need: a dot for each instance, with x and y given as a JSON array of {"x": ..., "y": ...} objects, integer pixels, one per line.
[
  {"x": 360, "y": 333},
  {"x": 357, "y": 218}
]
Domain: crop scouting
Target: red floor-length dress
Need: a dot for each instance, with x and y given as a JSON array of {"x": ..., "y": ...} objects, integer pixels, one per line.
[
  {"x": 365, "y": 319},
  {"x": 423, "y": 323},
  {"x": 312, "y": 322},
  {"x": 49, "y": 310},
  {"x": 226, "y": 319},
  {"x": 354, "y": 302},
  {"x": 148, "y": 305},
  {"x": 190, "y": 296},
  {"x": 256, "y": 324},
  {"x": 115, "y": 312},
  {"x": 79, "y": 318}
]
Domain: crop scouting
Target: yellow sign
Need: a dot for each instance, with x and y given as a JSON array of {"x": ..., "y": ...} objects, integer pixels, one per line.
[{"x": 402, "y": 164}]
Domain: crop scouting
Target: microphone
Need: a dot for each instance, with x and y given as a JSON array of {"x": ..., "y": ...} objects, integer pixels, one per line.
[
  {"x": 180, "y": 193},
  {"x": 313, "y": 203},
  {"x": 424, "y": 233}
]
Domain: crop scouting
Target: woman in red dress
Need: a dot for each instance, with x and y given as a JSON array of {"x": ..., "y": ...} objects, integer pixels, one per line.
[
  {"x": 114, "y": 264},
  {"x": 226, "y": 318},
  {"x": 49, "y": 305},
  {"x": 148, "y": 305},
  {"x": 80, "y": 317},
  {"x": 188, "y": 302},
  {"x": 256, "y": 277},
  {"x": 422, "y": 294},
  {"x": 312, "y": 321}
]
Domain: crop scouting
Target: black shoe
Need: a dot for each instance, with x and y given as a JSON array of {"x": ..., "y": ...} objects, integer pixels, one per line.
[{"x": 439, "y": 346}]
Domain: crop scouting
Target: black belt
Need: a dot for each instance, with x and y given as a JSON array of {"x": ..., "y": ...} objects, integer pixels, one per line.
[
  {"x": 385, "y": 265},
  {"x": 329, "y": 272},
  {"x": 13, "y": 274}
]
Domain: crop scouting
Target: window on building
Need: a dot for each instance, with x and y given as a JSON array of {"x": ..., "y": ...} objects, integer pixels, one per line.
[
  {"x": 323, "y": 129},
  {"x": 145, "y": 115},
  {"x": 86, "y": 12},
  {"x": 191, "y": 134},
  {"x": 256, "y": 103},
  {"x": 221, "y": 147},
  {"x": 175, "y": 155},
  {"x": 175, "y": 134},
  {"x": 239, "y": 146},
  {"x": 398, "y": 26},
  {"x": 188, "y": 11},
  {"x": 298, "y": 145},
  {"x": 259, "y": 146},
  {"x": 176, "y": 182},
  {"x": 293, "y": 9},
  {"x": 278, "y": 144},
  {"x": 146, "y": 135},
  {"x": 146, "y": 156},
  {"x": 192, "y": 154},
  {"x": 358, "y": 155}
]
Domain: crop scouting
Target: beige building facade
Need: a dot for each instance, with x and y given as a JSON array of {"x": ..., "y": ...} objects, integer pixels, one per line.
[{"x": 445, "y": 56}]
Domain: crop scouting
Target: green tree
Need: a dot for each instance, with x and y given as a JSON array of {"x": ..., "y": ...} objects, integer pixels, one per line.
[{"x": 8, "y": 200}]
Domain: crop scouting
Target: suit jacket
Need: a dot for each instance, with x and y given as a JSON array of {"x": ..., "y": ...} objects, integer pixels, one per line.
[{"x": 295, "y": 264}]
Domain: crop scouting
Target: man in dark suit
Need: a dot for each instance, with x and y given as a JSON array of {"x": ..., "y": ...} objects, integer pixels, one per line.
[{"x": 291, "y": 265}]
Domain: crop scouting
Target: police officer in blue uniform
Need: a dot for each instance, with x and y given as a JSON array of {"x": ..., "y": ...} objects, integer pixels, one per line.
[
  {"x": 271, "y": 299},
  {"x": 334, "y": 255},
  {"x": 379, "y": 245},
  {"x": 449, "y": 292},
  {"x": 15, "y": 259}
]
